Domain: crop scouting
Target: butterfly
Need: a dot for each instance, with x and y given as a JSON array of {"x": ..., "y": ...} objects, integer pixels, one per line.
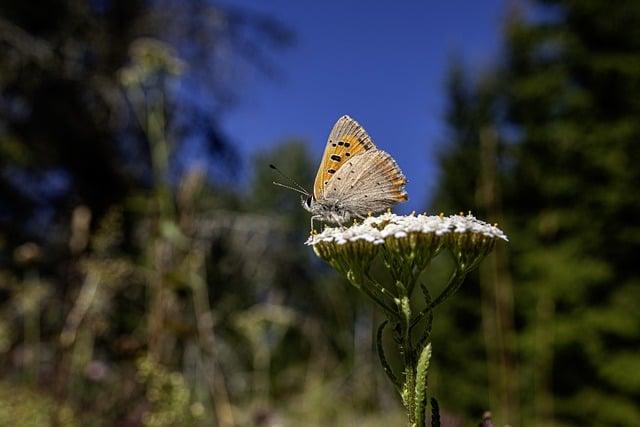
[{"x": 354, "y": 179}]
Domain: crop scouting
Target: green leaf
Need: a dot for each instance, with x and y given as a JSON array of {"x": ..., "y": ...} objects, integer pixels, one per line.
[
  {"x": 421, "y": 385},
  {"x": 383, "y": 358}
]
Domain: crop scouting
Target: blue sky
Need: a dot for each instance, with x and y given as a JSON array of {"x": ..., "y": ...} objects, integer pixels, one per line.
[{"x": 382, "y": 64}]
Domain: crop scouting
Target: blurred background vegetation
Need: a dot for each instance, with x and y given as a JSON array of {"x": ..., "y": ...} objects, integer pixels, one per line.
[{"x": 138, "y": 290}]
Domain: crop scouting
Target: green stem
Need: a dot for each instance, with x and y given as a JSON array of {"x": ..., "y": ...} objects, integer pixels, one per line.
[
  {"x": 384, "y": 293},
  {"x": 381, "y": 288},
  {"x": 455, "y": 281},
  {"x": 406, "y": 350},
  {"x": 358, "y": 281},
  {"x": 426, "y": 334},
  {"x": 387, "y": 309}
]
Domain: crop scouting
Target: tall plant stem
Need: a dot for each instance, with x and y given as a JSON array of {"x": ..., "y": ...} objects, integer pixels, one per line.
[{"x": 454, "y": 283}]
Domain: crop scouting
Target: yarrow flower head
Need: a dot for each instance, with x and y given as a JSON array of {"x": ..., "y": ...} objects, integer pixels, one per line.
[
  {"x": 409, "y": 240},
  {"x": 471, "y": 240},
  {"x": 407, "y": 244},
  {"x": 350, "y": 250}
]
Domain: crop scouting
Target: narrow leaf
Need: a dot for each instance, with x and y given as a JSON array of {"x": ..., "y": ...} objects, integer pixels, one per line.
[
  {"x": 383, "y": 358},
  {"x": 421, "y": 385}
]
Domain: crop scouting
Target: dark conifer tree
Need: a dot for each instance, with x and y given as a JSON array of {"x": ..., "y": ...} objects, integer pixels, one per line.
[{"x": 567, "y": 117}]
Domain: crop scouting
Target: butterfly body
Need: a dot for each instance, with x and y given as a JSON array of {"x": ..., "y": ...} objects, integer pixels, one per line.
[
  {"x": 355, "y": 178},
  {"x": 328, "y": 210}
]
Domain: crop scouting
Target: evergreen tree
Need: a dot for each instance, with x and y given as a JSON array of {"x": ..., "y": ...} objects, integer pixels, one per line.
[
  {"x": 567, "y": 112},
  {"x": 69, "y": 135},
  {"x": 573, "y": 94},
  {"x": 470, "y": 321}
]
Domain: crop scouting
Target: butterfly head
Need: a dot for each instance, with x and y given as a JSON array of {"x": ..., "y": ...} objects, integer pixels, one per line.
[{"x": 307, "y": 202}]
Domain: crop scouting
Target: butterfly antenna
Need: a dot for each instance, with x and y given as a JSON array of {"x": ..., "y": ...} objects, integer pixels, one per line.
[
  {"x": 299, "y": 189},
  {"x": 279, "y": 184}
]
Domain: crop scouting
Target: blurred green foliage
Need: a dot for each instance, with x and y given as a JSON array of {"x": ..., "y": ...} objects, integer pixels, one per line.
[
  {"x": 552, "y": 134},
  {"x": 135, "y": 293},
  {"x": 21, "y": 406}
]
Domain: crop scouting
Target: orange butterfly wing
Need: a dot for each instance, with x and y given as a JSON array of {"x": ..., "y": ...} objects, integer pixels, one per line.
[{"x": 346, "y": 140}]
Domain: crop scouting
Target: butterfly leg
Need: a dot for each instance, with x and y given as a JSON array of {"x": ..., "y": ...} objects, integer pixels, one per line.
[
  {"x": 312, "y": 218},
  {"x": 341, "y": 221}
]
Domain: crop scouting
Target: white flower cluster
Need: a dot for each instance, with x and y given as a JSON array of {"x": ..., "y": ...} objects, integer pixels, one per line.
[
  {"x": 470, "y": 224},
  {"x": 376, "y": 229},
  {"x": 351, "y": 234}
]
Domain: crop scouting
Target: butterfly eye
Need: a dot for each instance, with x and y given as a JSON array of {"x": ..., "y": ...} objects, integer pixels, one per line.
[{"x": 308, "y": 202}]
